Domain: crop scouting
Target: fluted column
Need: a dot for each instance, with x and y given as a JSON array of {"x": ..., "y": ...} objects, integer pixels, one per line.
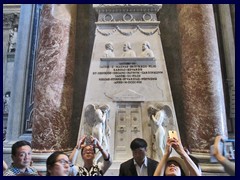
[
  {"x": 204, "y": 107},
  {"x": 54, "y": 78}
]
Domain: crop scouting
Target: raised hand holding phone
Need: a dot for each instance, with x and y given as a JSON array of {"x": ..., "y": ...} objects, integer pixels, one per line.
[
  {"x": 172, "y": 134},
  {"x": 88, "y": 140}
]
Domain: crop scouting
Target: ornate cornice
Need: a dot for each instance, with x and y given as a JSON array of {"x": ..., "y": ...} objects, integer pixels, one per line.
[
  {"x": 114, "y": 8},
  {"x": 11, "y": 8}
]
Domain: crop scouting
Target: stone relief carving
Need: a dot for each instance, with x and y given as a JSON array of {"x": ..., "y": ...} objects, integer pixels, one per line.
[
  {"x": 127, "y": 33},
  {"x": 6, "y": 102},
  {"x": 12, "y": 39},
  {"x": 110, "y": 13},
  {"x": 159, "y": 119},
  {"x": 128, "y": 17},
  {"x": 107, "y": 18},
  {"x": 108, "y": 53},
  {"x": 146, "y": 50},
  {"x": 127, "y": 50},
  {"x": 96, "y": 123},
  {"x": 10, "y": 20},
  {"x": 147, "y": 17}
]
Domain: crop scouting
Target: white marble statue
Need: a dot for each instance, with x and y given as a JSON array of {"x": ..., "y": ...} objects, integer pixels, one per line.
[
  {"x": 108, "y": 53},
  {"x": 96, "y": 123},
  {"x": 12, "y": 39},
  {"x": 146, "y": 50},
  {"x": 6, "y": 102},
  {"x": 159, "y": 119},
  {"x": 127, "y": 50}
]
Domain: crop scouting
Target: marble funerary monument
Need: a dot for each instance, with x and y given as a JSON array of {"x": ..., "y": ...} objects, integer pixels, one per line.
[
  {"x": 121, "y": 63},
  {"x": 128, "y": 93}
]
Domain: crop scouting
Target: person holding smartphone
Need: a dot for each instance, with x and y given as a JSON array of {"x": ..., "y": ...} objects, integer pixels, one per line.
[
  {"x": 176, "y": 166},
  {"x": 88, "y": 144},
  {"x": 228, "y": 165}
]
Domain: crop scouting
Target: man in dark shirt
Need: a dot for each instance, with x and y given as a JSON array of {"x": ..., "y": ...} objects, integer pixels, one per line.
[{"x": 140, "y": 164}]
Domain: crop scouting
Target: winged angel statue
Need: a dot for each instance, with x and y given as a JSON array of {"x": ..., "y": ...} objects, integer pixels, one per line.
[
  {"x": 96, "y": 123},
  {"x": 160, "y": 121}
]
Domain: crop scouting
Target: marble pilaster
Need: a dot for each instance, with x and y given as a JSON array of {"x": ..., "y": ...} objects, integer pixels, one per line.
[
  {"x": 54, "y": 79},
  {"x": 204, "y": 107}
]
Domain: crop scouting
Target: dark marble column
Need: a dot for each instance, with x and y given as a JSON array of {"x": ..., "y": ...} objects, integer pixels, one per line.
[
  {"x": 54, "y": 79},
  {"x": 204, "y": 108}
]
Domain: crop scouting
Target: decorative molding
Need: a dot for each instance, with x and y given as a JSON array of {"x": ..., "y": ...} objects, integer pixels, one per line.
[
  {"x": 133, "y": 22},
  {"x": 103, "y": 8},
  {"x": 129, "y": 59},
  {"x": 10, "y": 20},
  {"x": 127, "y": 17},
  {"x": 11, "y": 8},
  {"x": 126, "y": 33},
  {"x": 129, "y": 33},
  {"x": 11, "y": 13},
  {"x": 147, "y": 17},
  {"x": 107, "y": 18}
]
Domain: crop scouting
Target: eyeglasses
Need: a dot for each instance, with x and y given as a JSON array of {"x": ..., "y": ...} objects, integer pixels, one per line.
[{"x": 64, "y": 162}]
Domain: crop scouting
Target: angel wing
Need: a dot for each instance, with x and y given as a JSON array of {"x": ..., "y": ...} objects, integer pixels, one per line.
[
  {"x": 169, "y": 116},
  {"x": 90, "y": 115}
]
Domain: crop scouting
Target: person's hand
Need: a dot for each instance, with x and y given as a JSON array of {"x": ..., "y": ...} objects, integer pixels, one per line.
[
  {"x": 216, "y": 146},
  {"x": 168, "y": 147},
  {"x": 97, "y": 144},
  {"x": 177, "y": 145},
  {"x": 80, "y": 143}
]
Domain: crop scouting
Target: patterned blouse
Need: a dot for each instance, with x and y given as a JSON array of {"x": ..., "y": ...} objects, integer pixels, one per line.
[
  {"x": 93, "y": 171},
  {"x": 98, "y": 169}
]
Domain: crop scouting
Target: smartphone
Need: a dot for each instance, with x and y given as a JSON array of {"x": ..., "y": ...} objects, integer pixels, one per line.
[
  {"x": 172, "y": 134},
  {"x": 88, "y": 140},
  {"x": 221, "y": 148},
  {"x": 229, "y": 150}
]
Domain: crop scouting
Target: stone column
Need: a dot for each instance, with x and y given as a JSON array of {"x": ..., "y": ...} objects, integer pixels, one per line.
[
  {"x": 228, "y": 41},
  {"x": 54, "y": 79},
  {"x": 204, "y": 107}
]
